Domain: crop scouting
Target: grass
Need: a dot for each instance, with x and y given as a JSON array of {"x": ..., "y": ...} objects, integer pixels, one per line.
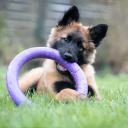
[{"x": 110, "y": 112}]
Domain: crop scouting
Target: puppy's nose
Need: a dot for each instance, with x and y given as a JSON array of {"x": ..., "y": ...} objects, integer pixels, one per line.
[{"x": 68, "y": 56}]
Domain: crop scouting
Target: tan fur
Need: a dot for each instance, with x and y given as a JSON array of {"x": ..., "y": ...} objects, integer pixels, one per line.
[
  {"x": 45, "y": 79},
  {"x": 58, "y": 32},
  {"x": 30, "y": 78},
  {"x": 90, "y": 75},
  {"x": 68, "y": 95},
  {"x": 46, "y": 76}
]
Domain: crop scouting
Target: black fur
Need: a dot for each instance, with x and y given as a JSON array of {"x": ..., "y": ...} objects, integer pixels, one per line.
[
  {"x": 72, "y": 46},
  {"x": 71, "y": 15},
  {"x": 97, "y": 33},
  {"x": 31, "y": 90},
  {"x": 60, "y": 85},
  {"x": 90, "y": 92}
]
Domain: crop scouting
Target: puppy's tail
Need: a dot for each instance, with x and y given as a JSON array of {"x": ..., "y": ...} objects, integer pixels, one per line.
[{"x": 30, "y": 78}]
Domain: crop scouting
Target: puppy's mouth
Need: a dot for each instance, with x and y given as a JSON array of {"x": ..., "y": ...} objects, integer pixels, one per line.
[
  {"x": 61, "y": 68},
  {"x": 64, "y": 71},
  {"x": 68, "y": 57}
]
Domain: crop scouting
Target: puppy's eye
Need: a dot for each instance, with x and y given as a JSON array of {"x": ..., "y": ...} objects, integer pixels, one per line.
[
  {"x": 64, "y": 38},
  {"x": 69, "y": 37},
  {"x": 79, "y": 44}
]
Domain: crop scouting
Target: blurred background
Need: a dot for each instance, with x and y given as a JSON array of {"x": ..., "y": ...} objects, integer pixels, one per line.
[{"x": 27, "y": 23}]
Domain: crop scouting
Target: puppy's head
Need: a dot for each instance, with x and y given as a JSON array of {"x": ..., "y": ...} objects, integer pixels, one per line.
[{"x": 76, "y": 42}]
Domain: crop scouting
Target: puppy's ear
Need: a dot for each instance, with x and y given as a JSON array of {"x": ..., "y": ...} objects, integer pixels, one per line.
[
  {"x": 97, "y": 33},
  {"x": 69, "y": 16}
]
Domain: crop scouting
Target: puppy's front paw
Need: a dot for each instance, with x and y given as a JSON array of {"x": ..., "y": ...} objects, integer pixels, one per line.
[{"x": 69, "y": 95}]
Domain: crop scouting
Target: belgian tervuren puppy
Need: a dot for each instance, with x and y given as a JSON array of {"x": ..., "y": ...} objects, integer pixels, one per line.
[{"x": 75, "y": 43}]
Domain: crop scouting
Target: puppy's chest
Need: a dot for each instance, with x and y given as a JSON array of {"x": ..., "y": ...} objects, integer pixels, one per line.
[{"x": 65, "y": 82}]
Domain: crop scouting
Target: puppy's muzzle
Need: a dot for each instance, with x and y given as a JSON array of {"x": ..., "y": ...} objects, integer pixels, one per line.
[{"x": 69, "y": 57}]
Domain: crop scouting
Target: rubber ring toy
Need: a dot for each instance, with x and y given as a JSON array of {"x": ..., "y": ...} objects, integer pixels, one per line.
[{"x": 16, "y": 64}]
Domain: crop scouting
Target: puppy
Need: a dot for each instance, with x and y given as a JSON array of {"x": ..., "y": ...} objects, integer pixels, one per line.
[{"x": 75, "y": 43}]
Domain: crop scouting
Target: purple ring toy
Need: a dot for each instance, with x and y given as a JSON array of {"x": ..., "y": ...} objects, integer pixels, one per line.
[{"x": 40, "y": 52}]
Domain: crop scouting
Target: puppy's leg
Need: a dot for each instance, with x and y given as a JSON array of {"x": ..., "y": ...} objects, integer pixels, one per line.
[
  {"x": 47, "y": 84},
  {"x": 69, "y": 95},
  {"x": 30, "y": 78},
  {"x": 92, "y": 84},
  {"x": 90, "y": 75}
]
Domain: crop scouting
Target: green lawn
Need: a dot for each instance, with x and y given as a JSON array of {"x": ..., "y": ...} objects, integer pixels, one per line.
[{"x": 110, "y": 112}]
